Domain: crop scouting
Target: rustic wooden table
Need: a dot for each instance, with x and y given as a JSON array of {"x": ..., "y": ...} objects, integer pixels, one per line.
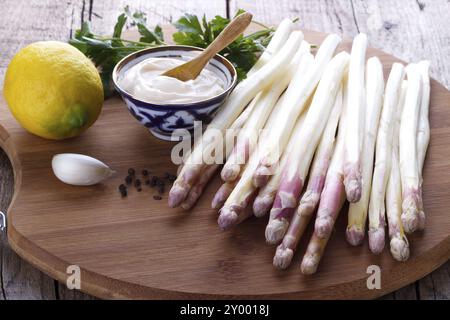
[{"x": 409, "y": 29}]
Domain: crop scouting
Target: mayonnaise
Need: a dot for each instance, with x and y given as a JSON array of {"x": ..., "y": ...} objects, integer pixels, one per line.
[{"x": 144, "y": 81}]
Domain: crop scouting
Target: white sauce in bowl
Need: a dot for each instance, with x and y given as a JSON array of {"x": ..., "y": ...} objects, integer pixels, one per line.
[{"x": 144, "y": 82}]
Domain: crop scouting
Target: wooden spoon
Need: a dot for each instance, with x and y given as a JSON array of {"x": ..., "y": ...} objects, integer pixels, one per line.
[{"x": 191, "y": 69}]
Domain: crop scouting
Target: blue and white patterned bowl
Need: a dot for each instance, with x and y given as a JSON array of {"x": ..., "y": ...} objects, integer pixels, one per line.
[{"x": 163, "y": 119}]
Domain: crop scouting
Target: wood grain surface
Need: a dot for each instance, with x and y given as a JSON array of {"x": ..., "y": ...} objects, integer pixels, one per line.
[
  {"x": 137, "y": 247},
  {"x": 411, "y": 30}
]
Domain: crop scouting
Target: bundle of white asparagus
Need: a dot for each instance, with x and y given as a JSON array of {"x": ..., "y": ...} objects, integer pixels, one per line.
[{"x": 327, "y": 121}]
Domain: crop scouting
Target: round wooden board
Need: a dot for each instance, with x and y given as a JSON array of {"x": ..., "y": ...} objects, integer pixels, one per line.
[{"x": 137, "y": 247}]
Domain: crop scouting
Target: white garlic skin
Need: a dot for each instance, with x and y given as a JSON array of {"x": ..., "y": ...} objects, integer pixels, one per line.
[{"x": 79, "y": 170}]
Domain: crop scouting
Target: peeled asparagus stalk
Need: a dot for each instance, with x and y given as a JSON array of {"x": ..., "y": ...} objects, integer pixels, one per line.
[
  {"x": 409, "y": 164},
  {"x": 208, "y": 171},
  {"x": 244, "y": 190},
  {"x": 398, "y": 242},
  {"x": 240, "y": 198},
  {"x": 222, "y": 194},
  {"x": 383, "y": 156},
  {"x": 279, "y": 38},
  {"x": 297, "y": 165},
  {"x": 331, "y": 200},
  {"x": 197, "y": 189},
  {"x": 297, "y": 94},
  {"x": 236, "y": 102},
  {"x": 423, "y": 134},
  {"x": 311, "y": 197},
  {"x": 264, "y": 200},
  {"x": 354, "y": 138},
  {"x": 248, "y": 137},
  {"x": 357, "y": 213}
]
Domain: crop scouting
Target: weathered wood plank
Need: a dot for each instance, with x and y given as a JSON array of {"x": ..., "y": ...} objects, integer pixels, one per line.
[
  {"x": 19, "y": 279},
  {"x": 22, "y": 24},
  {"x": 104, "y": 13},
  {"x": 319, "y": 15},
  {"x": 411, "y": 30},
  {"x": 436, "y": 286},
  {"x": 29, "y": 21},
  {"x": 406, "y": 293}
]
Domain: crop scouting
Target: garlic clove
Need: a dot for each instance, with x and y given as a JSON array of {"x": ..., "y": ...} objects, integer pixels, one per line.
[{"x": 79, "y": 170}]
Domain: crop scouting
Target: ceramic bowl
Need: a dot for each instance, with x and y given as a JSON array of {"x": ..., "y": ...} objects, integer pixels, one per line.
[{"x": 163, "y": 119}]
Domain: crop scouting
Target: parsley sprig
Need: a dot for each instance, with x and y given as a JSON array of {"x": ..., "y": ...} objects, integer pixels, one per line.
[{"x": 107, "y": 51}]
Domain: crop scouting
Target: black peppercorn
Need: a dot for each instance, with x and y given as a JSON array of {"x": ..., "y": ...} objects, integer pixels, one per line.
[
  {"x": 123, "y": 190},
  {"x": 131, "y": 172},
  {"x": 137, "y": 183},
  {"x": 128, "y": 179},
  {"x": 153, "y": 181},
  {"x": 172, "y": 178},
  {"x": 145, "y": 172},
  {"x": 157, "y": 197}
]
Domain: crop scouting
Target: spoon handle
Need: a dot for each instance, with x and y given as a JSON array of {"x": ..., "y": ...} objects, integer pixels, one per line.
[
  {"x": 228, "y": 35},
  {"x": 191, "y": 69}
]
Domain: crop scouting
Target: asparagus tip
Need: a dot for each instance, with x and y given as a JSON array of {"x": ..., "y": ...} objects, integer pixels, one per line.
[
  {"x": 410, "y": 220},
  {"x": 261, "y": 176},
  {"x": 353, "y": 189},
  {"x": 217, "y": 201},
  {"x": 275, "y": 230},
  {"x": 376, "y": 240},
  {"x": 283, "y": 257},
  {"x": 176, "y": 196},
  {"x": 262, "y": 205},
  {"x": 230, "y": 172},
  {"x": 309, "y": 264},
  {"x": 354, "y": 235},
  {"x": 324, "y": 226},
  {"x": 399, "y": 248},
  {"x": 227, "y": 218}
]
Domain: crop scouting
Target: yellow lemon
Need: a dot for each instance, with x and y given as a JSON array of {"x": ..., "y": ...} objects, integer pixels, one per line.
[{"x": 53, "y": 90}]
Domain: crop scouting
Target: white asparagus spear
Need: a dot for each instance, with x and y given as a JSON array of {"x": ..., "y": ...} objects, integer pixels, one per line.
[
  {"x": 279, "y": 38},
  {"x": 331, "y": 199},
  {"x": 383, "y": 155},
  {"x": 310, "y": 199},
  {"x": 223, "y": 193},
  {"x": 248, "y": 136},
  {"x": 264, "y": 200},
  {"x": 225, "y": 190},
  {"x": 297, "y": 94},
  {"x": 423, "y": 134},
  {"x": 245, "y": 190},
  {"x": 409, "y": 164},
  {"x": 398, "y": 242},
  {"x": 357, "y": 213},
  {"x": 236, "y": 102},
  {"x": 296, "y": 168},
  {"x": 208, "y": 171},
  {"x": 354, "y": 138}
]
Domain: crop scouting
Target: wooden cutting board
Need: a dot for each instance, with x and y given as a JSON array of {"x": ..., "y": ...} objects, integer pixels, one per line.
[{"x": 137, "y": 247}]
